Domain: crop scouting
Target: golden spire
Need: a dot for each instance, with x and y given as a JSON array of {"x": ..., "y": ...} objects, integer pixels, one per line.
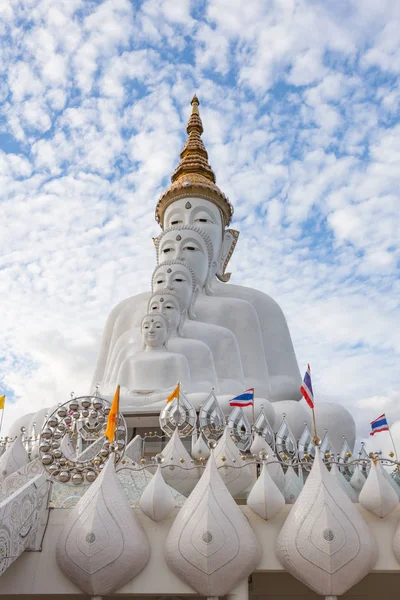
[
  {"x": 194, "y": 157},
  {"x": 194, "y": 177}
]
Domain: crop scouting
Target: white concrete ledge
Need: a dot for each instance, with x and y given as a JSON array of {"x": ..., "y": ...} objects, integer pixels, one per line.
[{"x": 38, "y": 573}]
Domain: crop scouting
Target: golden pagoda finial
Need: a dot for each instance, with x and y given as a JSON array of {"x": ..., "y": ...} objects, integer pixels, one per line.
[
  {"x": 194, "y": 157},
  {"x": 194, "y": 176}
]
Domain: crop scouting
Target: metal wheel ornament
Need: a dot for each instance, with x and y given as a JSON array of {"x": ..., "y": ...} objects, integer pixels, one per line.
[
  {"x": 211, "y": 418},
  {"x": 178, "y": 414},
  {"x": 73, "y": 447},
  {"x": 240, "y": 429}
]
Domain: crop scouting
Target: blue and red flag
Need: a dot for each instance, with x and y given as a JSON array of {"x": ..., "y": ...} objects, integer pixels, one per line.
[
  {"x": 245, "y": 399},
  {"x": 306, "y": 388},
  {"x": 380, "y": 424}
]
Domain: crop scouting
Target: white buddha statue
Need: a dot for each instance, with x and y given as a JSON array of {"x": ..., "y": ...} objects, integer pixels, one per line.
[
  {"x": 155, "y": 368},
  {"x": 212, "y": 351},
  {"x": 197, "y": 353},
  {"x": 178, "y": 276},
  {"x": 195, "y": 209},
  {"x": 192, "y": 245}
]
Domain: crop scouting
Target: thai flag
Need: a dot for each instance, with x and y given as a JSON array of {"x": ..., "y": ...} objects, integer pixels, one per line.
[
  {"x": 306, "y": 388},
  {"x": 380, "y": 424},
  {"x": 245, "y": 399}
]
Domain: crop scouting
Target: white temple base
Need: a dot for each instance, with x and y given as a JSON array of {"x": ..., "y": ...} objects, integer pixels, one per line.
[{"x": 41, "y": 574}]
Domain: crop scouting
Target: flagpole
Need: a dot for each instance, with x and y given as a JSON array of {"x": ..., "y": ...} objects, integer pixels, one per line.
[
  {"x": 316, "y": 439},
  {"x": 254, "y": 418},
  {"x": 394, "y": 446},
  {"x": 2, "y": 414}
]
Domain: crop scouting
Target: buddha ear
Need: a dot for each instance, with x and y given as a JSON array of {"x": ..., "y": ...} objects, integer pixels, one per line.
[
  {"x": 191, "y": 313},
  {"x": 228, "y": 246},
  {"x": 183, "y": 316},
  {"x": 156, "y": 242}
]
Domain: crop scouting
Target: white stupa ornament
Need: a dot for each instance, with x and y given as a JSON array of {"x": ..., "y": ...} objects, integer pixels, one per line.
[
  {"x": 232, "y": 468},
  {"x": 396, "y": 542},
  {"x": 274, "y": 467},
  {"x": 13, "y": 458},
  {"x": 292, "y": 486},
  {"x": 357, "y": 480},
  {"x": 211, "y": 546},
  {"x": 260, "y": 445},
  {"x": 377, "y": 495},
  {"x": 325, "y": 542},
  {"x": 102, "y": 546},
  {"x": 178, "y": 469},
  {"x": 200, "y": 449},
  {"x": 342, "y": 481},
  {"x": 157, "y": 501},
  {"x": 265, "y": 498},
  {"x": 392, "y": 481}
]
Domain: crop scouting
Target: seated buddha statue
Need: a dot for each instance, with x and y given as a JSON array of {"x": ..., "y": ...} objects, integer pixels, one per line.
[
  {"x": 198, "y": 355},
  {"x": 178, "y": 276},
  {"x": 155, "y": 367},
  {"x": 195, "y": 210},
  {"x": 196, "y": 352}
]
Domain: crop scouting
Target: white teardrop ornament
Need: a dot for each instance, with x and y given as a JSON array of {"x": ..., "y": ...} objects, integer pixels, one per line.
[
  {"x": 157, "y": 501},
  {"x": 265, "y": 498},
  {"x": 233, "y": 470},
  {"x": 178, "y": 470},
  {"x": 325, "y": 542},
  {"x": 200, "y": 449},
  {"x": 292, "y": 487},
  {"x": 211, "y": 545},
  {"x": 345, "y": 485},
  {"x": 377, "y": 495},
  {"x": 102, "y": 546},
  {"x": 357, "y": 480}
]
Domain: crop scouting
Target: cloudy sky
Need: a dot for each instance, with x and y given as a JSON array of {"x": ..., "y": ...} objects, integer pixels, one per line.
[{"x": 300, "y": 102}]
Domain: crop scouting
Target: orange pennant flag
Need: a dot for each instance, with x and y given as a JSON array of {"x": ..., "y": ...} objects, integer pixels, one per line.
[
  {"x": 174, "y": 394},
  {"x": 112, "y": 417}
]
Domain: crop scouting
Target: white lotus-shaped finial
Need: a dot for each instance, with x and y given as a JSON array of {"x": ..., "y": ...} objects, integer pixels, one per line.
[
  {"x": 157, "y": 501},
  {"x": 325, "y": 542},
  {"x": 265, "y": 498},
  {"x": 178, "y": 469},
  {"x": 211, "y": 545},
  {"x": 377, "y": 495},
  {"x": 233, "y": 470},
  {"x": 102, "y": 546}
]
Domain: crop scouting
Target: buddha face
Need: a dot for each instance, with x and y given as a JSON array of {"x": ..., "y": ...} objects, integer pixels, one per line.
[
  {"x": 154, "y": 331},
  {"x": 176, "y": 278},
  {"x": 200, "y": 212},
  {"x": 168, "y": 306},
  {"x": 188, "y": 246}
]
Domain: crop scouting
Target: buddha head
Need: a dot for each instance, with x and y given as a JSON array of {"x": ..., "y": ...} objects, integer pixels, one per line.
[
  {"x": 194, "y": 199},
  {"x": 208, "y": 217},
  {"x": 190, "y": 244},
  {"x": 179, "y": 277},
  {"x": 166, "y": 303},
  {"x": 154, "y": 329}
]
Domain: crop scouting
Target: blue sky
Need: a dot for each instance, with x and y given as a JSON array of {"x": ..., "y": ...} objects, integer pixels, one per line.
[{"x": 300, "y": 102}]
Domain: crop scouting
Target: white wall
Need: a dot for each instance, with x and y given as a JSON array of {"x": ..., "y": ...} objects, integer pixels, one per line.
[{"x": 38, "y": 573}]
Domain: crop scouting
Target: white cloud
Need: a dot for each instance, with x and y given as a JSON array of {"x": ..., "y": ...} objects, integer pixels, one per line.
[{"x": 299, "y": 105}]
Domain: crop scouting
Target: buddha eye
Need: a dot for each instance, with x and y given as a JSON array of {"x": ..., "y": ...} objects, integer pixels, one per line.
[
  {"x": 191, "y": 248},
  {"x": 167, "y": 250},
  {"x": 201, "y": 221},
  {"x": 178, "y": 279},
  {"x": 160, "y": 281},
  {"x": 176, "y": 222},
  {"x": 158, "y": 326},
  {"x": 154, "y": 308}
]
